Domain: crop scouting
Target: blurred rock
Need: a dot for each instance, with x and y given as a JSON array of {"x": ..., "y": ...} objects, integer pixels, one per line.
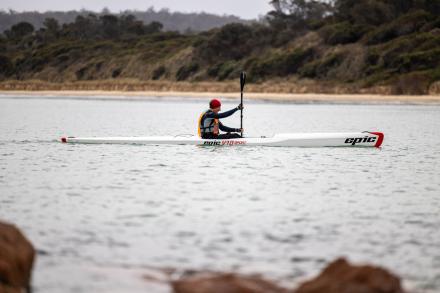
[
  {"x": 16, "y": 259},
  {"x": 342, "y": 277},
  {"x": 338, "y": 277},
  {"x": 225, "y": 283}
]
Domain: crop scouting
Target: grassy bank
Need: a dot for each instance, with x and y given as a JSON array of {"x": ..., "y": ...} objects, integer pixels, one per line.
[{"x": 277, "y": 86}]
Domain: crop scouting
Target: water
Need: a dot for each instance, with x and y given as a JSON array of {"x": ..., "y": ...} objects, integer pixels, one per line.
[{"x": 100, "y": 215}]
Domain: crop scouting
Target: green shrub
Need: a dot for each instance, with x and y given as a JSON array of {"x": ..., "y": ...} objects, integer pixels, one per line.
[
  {"x": 260, "y": 68},
  {"x": 372, "y": 58},
  {"x": 378, "y": 77},
  {"x": 6, "y": 66},
  {"x": 116, "y": 72},
  {"x": 293, "y": 61},
  {"x": 431, "y": 25},
  {"x": 34, "y": 64},
  {"x": 104, "y": 45},
  {"x": 279, "y": 64},
  {"x": 213, "y": 70},
  {"x": 418, "y": 60},
  {"x": 370, "y": 12},
  {"x": 159, "y": 72},
  {"x": 431, "y": 40},
  {"x": 62, "y": 57},
  {"x": 404, "y": 25},
  {"x": 391, "y": 51},
  {"x": 19, "y": 30},
  {"x": 154, "y": 49},
  {"x": 381, "y": 35},
  {"x": 226, "y": 69},
  {"x": 319, "y": 68},
  {"x": 186, "y": 71},
  {"x": 80, "y": 74},
  {"x": 342, "y": 33},
  {"x": 316, "y": 24},
  {"x": 231, "y": 42}
]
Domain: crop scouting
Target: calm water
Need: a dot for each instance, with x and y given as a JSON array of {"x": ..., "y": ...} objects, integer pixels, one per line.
[{"x": 101, "y": 214}]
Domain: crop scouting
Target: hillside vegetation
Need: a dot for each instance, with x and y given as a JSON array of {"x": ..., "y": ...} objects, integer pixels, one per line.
[
  {"x": 356, "y": 45},
  {"x": 172, "y": 21}
]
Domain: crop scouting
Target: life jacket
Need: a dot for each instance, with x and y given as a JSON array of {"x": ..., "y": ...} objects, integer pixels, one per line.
[{"x": 208, "y": 125}]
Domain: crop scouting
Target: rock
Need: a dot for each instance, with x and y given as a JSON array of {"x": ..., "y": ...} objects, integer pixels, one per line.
[
  {"x": 342, "y": 277},
  {"x": 225, "y": 283},
  {"x": 16, "y": 259},
  {"x": 338, "y": 277}
]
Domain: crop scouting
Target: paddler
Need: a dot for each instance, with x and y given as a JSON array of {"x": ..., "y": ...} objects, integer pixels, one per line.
[{"x": 210, "y": 125}]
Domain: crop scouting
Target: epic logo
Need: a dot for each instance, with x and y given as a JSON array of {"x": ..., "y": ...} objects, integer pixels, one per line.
[
  {"x": 212, "y": 143},
  {"x": 224, "y": 142},
  {"x": 354, "y": 141}
]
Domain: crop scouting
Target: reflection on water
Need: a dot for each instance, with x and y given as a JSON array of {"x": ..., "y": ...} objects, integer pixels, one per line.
[{"x": 283, "y": 212}]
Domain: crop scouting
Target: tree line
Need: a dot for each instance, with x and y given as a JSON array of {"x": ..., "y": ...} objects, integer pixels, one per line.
[
  {"x": 90, "y": 27},
  {"x": 172, "y": 21}
]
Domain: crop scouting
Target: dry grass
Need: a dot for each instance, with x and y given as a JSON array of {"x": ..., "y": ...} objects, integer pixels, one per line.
[
  {"x": 434, "y": 89},
  {"x": 275, "y": 86}
]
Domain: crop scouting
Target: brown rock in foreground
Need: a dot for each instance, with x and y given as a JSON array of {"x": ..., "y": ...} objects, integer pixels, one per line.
[
  {"x": 225, "y": 283},
  {"x": 16, "y": 259},
  {"x": 338, "y": 277},
  {"x": 342, "y": 277}
]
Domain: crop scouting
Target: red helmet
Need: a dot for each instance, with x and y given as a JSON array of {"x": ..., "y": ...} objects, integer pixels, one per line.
[{"x": 215, "y": 104}]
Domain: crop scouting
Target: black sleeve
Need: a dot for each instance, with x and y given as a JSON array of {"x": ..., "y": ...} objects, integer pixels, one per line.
[
  {"x": 227, "y": 129},
  {"x": 221, "y": 115}
]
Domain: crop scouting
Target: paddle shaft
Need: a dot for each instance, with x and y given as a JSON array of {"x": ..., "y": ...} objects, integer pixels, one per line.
[
  {"x": 242, "y": 83},
  {"x": 241, "y": 117}
]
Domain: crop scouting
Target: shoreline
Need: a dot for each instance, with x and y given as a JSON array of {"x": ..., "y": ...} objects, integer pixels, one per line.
[{"x": 308, "y": 98}]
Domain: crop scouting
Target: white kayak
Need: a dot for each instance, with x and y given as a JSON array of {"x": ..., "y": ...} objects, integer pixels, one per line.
[{"x": 356, "y": 139}]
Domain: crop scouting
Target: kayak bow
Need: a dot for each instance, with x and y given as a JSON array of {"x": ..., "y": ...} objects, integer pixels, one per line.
[{"x": 356, "y": 139}]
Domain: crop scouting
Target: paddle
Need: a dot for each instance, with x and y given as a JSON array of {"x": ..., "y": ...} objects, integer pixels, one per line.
[{"x": 242, "y": 83}]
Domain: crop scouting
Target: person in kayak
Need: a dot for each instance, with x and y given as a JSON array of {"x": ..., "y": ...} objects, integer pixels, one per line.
[{"x": 210, "y": 125}]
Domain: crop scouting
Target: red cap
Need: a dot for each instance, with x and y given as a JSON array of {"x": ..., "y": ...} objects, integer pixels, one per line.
[{"x": 214, "y": 104}]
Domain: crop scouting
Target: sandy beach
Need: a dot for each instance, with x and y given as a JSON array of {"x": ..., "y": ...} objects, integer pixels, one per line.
[{"x": 272, "y": 97}]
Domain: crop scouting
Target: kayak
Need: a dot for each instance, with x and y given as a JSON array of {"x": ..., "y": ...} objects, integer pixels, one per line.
[{"x": 356, "y": 139}]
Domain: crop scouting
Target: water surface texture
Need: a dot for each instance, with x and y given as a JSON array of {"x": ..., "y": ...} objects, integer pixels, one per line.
[{"x": 93, "y": 211}]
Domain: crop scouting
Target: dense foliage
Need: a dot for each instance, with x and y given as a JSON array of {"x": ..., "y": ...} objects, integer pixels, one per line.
[{"x": 368, "y": 42}]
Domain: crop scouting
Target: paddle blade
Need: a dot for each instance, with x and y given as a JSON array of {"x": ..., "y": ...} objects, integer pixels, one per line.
[{"x": 242, "y": 80}]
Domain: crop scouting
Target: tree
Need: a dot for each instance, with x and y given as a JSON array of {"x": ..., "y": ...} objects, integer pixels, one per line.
[
  {"x": 376, "y": 12},
  {"x": 296, "y": 14},
  {"x": 20, "y": 30},
  {"x": 291, "y": 18},
  {"x": 110, "y": 26},
  {"x": 365, "y": 12},
  {"x": 84, "y": 27},
  {"x": 302, "y": 9},
  {"x": 232, "y": 41},
  {"x": 433, "y": 6},
  {"x": 130, "y": 25},
  {"x": 153, "y": 27},
  {"x": 403, "y": 6},
  {"x": 52, "y": 26}
]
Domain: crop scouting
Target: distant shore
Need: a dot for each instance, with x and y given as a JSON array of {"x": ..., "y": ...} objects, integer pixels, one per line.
[
  {"x": 268, "y": 97},
  {"x": 288, "y": 92}
]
